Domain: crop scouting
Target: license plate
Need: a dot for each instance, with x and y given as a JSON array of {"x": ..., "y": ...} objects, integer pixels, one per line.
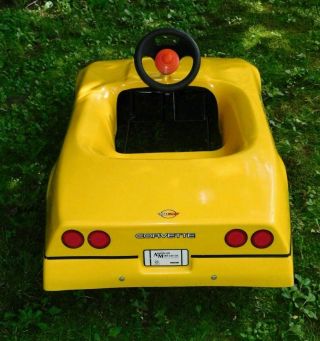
[{"x": 166, "y": 257}]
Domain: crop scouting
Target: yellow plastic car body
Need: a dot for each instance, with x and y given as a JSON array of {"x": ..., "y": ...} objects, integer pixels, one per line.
[{"x": 180, "y": 201}]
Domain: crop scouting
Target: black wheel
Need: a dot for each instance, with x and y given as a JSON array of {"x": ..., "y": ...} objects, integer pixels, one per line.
[{"x": 185, "y": 46}]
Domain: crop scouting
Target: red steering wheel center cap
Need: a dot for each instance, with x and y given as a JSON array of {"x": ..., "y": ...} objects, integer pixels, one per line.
[{"x": 167, "y": 61}]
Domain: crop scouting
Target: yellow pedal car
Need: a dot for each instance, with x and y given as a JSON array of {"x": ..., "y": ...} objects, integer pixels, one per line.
[{"x": 168, "y": 176}]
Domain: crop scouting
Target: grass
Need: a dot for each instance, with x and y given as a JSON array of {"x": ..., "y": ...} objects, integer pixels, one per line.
[{"x": 44, "y": 44}]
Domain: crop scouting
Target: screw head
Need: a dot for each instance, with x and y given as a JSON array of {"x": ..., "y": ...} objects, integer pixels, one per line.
[
  {"x": 214, "y": 277},
  {"x": 121, "y": 278}
]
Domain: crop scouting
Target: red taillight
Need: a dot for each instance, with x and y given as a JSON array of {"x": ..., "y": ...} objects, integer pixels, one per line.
[
  {"x": 236, "y": 238},
  {"x": 262, "y": 239},
  {"x": 99, "y": 239},
  {"x": 72, "y": 239}
]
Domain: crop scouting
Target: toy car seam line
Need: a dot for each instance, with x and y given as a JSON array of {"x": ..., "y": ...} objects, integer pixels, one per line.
[
  {"x": 90, "y": 257},
  {"x": 192, "y": 256},
  {"x": 243, "y": 256}
]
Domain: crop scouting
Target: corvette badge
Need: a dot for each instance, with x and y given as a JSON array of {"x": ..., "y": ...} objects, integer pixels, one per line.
[{"x": 168, "y": 214}]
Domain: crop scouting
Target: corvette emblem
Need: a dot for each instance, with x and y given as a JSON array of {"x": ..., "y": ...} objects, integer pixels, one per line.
[{"x": 168, "y": 214}]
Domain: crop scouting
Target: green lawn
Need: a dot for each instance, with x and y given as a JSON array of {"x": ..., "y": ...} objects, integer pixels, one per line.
[{"x": 43, "y": 46}]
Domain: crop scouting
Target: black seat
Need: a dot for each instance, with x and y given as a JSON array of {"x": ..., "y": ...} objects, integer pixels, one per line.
[{"x": 155, "y": 121}]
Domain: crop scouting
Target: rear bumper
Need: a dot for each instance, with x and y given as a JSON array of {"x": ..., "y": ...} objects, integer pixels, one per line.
[{"x": 70, "y": 274}]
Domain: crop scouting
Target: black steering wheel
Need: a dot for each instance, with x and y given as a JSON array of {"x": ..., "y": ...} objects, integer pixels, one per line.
[{"x": 167, "y": 57}]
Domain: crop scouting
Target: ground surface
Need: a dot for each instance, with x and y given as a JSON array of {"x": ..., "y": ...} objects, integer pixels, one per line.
[{"x": 43, "y": 46}]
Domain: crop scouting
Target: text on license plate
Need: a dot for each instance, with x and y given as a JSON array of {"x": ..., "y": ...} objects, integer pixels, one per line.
[{"x": 166, "y": 257}]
